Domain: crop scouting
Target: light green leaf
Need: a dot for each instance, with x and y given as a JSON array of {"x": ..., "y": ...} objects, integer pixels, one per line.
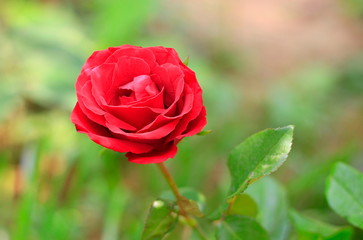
[
  {"x": 204, "y": 132},
  {"x": 258, "y": 156},
  {"x": 243, "y": 205},
  {"x": 160, "y": 221},
  {"x": 344, "y": 192},
  {"x": 309, "y": 228},
  {"x": 240, "y": 228},
  {"x": 272, "y": 203},
  {"x": 186, "y": 61}
]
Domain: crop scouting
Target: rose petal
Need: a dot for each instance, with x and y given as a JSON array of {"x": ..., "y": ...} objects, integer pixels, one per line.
[
  {"x": 100, "y": 135},
  {"x": 165, "y": 55},
  {"x": 163, "y": 119},
  {"x": 142, "y": 87},
  {"x": 189, "y": 76},
  {"x": 118, "y": 122},
  {"x": 155, "y": 102},
  {"x": 97, "y": 58},
  {"x": 194, "y": 112},
  {"x": 108, "y": 77},
  {"x": 102, "y": 82},
  {"x": 135, "y": 116},
  {"x": 89, "y": 108},
  {"x": 127, "y": 68},
  {"x": 155, "y": 156},
  {"x": 184, "y": 105},
  {"x": 130, "y": 51},
  {"x": 82, "y": 79},
  {"x": 171, "y": 78},
  {"x": 88, "y": 100},
  {"x": 196, "y": 125},
  {"x": 155, "y": 134}
]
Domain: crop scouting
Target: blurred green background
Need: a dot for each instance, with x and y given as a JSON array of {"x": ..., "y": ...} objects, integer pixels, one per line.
[{"x": 261, "y": 64}]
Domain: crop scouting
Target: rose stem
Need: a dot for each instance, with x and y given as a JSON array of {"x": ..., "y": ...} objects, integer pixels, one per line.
[
  {"x": 164, "y": 170},
  {"x": 173, "y": 187}
]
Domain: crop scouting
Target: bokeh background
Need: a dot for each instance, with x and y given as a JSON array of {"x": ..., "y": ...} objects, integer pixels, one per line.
[{"x": 261, "y": 64}]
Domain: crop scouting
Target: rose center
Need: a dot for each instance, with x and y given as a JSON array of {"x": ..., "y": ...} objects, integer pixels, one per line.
[{"x": 139, "y": 88}]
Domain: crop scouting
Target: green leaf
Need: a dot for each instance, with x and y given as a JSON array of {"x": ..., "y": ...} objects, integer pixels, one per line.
[
  {"x": 258, "y": 156},
  {"x": 218, "y": 212},
  {"x": 344, "y": 192},
  {"x": 243, "y": 205},
  {"x": 309, "y": 228},
  {"x": 204, "y": 132},
  {"x": 160, "y": 221},
  {"x": 240, "y": 228},
  {"x": 272, "y": 203},
  {"x": 186, "y": 61}
]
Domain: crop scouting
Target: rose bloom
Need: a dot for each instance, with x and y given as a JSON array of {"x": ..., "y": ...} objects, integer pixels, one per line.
[{"x": 141, "y": 101}]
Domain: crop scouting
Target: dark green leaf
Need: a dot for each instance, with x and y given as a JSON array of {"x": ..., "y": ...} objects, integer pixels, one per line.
[
  {"x": 243, "y": 205},
  {"x": 344, "y": 192},
  {"x": 272, "y": 203},
  {"x": 258, "y": 156},
  {"x": 216, "y": 214},
  {"x": 240, "y": 228},
  {"x": 309, "y": 228},
  {"x": 160, "y": 221}
]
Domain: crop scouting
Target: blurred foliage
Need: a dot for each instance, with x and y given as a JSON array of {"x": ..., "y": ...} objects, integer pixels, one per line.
[
  {"x": 354, "y": 7},
  {"x": 57, "y": 184}
]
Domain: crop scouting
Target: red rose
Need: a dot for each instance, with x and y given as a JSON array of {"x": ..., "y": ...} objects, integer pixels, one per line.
[{"x": 142, "y": 101}]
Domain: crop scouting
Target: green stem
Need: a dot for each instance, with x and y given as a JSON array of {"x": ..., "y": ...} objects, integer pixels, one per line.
[
  {"x": 173, "y": 187},
  {"x": 179, "y": 200}
]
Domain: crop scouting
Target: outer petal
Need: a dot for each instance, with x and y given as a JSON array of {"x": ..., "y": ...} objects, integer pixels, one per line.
[
  {"x": 100, "y": 135},
  {"x": 165, "y": 55},
  {"x": 102, "y": 82},
  {"x": 82, "y": 79},
  {"x": 85, "y": 96},
  {"x": 130, "y": 51},
  {"x": 110, "y": 119},
  {"x": 89, "y": 108},
  {"x": 195, "y": 125},
  {"x": 155, "y": 156},
  {"x": 155, "y": 134},
  {"x": 189, "y": 116},
  {"x": 97, "y": 58}
]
